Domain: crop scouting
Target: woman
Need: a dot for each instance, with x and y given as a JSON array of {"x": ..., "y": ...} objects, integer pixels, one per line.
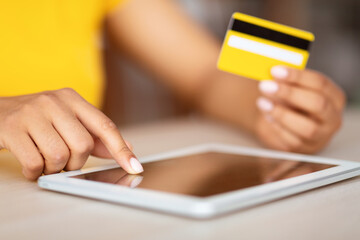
[{"x": 51, "y": 75}]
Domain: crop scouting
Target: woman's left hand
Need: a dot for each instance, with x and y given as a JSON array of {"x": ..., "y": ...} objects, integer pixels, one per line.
[{"x": 300, "y": 110}]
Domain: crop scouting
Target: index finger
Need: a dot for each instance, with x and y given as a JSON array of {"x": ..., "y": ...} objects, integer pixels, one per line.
[
  {"x": 311, "y": 80},
  {"x": 105, "y": 129}
]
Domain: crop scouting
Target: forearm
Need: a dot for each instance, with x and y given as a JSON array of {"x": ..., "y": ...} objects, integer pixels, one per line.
[
  {"x": 165, "y": 42},
  {"x": 183, "y": 55},
  {"x": 229, "y": 98}
]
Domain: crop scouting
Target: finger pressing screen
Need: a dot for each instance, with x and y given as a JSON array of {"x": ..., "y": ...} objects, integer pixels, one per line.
[{"x": 102, "y": 127}]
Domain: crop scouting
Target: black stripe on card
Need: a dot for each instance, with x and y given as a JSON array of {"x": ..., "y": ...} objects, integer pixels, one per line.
[{"x": 269, "y": 34}]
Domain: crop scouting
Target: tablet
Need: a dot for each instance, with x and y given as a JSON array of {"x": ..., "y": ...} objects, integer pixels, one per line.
[{"x": 204, "y": 181}]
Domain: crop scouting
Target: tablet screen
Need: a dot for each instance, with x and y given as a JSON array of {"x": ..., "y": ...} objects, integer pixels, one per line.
[{"x": 207, "y": 174}]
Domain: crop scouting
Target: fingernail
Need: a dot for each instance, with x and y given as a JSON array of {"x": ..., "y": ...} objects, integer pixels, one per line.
[
  {"x": 264, "y": 104},
  {"x": 268, "y": 87},
  {"x": 136, "y": 181},
  {"x": 279, "y": 72},
  {"x": 136, "y": 165}
]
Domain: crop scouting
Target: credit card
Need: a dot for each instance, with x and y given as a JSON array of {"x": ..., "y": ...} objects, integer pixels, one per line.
[{"x": 253, "y": 46}]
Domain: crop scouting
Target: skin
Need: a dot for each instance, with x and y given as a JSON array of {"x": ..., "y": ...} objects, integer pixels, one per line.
[
  {"x": 306, "y": 112},
  {"x": 52, "y": 131}
]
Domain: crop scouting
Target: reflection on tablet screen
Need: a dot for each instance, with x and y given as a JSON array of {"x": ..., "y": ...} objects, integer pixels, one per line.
[{"x": 207, "y": 174}]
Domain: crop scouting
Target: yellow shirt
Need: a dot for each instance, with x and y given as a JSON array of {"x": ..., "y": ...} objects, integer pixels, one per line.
[{"x": 52, "y": 44}]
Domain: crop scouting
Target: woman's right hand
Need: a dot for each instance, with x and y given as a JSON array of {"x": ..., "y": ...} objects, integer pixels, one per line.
[{"x": 57, "y": 130}]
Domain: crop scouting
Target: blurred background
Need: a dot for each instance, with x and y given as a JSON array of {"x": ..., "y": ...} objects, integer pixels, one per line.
[{"x": 134, "y": 97}]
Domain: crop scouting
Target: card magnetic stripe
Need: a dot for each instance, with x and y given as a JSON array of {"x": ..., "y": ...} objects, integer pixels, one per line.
[{"x": 269, "y": 34}]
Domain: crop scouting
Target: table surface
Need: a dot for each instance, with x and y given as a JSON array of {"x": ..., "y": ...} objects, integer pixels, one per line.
[{"x": 331, "y": 212}]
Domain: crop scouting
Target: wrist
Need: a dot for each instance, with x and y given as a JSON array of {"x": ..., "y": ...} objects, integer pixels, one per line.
[{"x": 230, "y": 99}]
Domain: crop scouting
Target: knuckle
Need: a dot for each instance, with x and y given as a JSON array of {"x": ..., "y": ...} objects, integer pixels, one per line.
[
  {"x": 296, "y": 145},
  {"x": 10, "y": 120},
  {"x": 67, "y": 92},
  {"x": 285, "y": 91},
  {"x": 279, "y": 113},
  {"x": 320, "y": 104},
  {"x": 28, "y": 108},
  {"x": 85, "y": 146},
  {"x": 46, "y": 98},
  {"x": 312, "y": 131},
  {"x": 124, "y": 151},
  {"x": 34, "y": 165},
  {"x": 295, "y": 75},
  {"x": 108, "y": 124},
  {"x": 59, "y": 157}
]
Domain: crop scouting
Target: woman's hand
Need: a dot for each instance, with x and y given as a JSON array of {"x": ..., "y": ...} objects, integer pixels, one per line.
[
  {"x": 58, "y": 130},
  {"x": 301, "y": 110}
]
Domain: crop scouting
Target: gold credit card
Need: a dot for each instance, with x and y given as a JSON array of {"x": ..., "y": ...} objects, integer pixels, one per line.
[{"x": 252, "y": 46}]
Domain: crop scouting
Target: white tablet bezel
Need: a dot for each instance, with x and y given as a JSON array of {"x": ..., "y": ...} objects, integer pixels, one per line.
[{"x": 199, "y": 207}]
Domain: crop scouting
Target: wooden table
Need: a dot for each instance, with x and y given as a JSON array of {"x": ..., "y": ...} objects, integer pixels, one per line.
[{"x": 331, "y": 212}]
